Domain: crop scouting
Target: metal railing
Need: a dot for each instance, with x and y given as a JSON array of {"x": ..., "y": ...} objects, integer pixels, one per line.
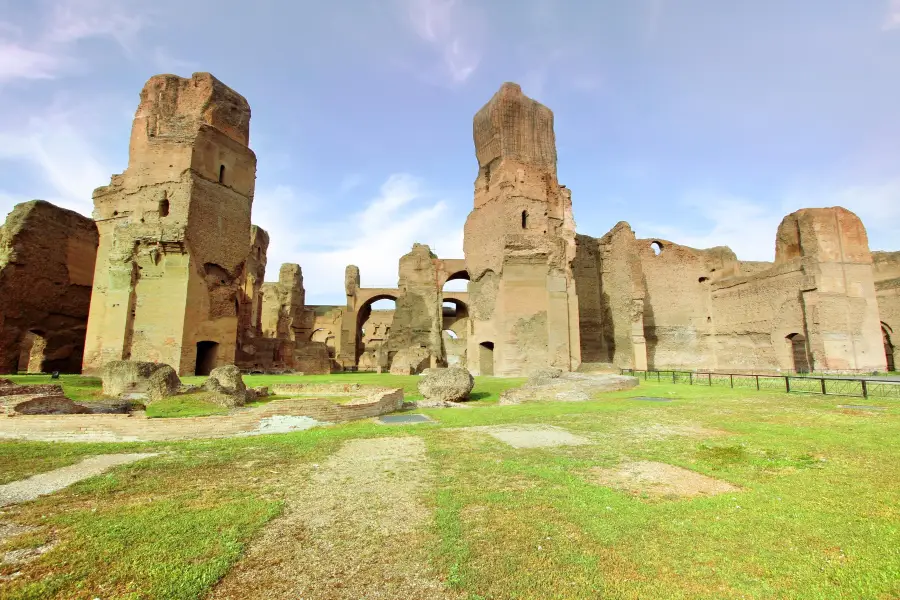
[{"x": 792, "y": 384}]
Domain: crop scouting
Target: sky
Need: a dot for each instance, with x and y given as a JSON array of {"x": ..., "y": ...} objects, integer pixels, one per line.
[{"x": 699, "y": 121}]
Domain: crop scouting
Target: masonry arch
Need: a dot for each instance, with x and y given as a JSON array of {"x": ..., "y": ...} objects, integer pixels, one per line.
[
  {"x": 799, "y": 353},
  {"x": 373, "y": 322},
  {"x": 889, "y": 349}
]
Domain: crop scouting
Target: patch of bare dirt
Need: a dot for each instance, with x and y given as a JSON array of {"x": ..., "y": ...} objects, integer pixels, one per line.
[
  {"x": 660, "y": 431},
  {"x": 356, "y": 529},
  {"x": 660, "y": 480},
  {"x": 21, "y": 556},
  {"x": 531, "y": 436}
]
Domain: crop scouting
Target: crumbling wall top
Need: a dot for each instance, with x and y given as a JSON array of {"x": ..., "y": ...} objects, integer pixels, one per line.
[
  {"x": 173, "y": 106},
  {"x": 831, "y": 234},
  {"x": 512, "y": 125}
]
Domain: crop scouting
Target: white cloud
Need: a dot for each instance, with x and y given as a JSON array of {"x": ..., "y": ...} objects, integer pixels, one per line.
[
  {"x": 18, "y": 62},
  {"x": 451, "y": 29},
  {"x": 55, "y": 145},
  {"x": 892, "y": 18},
  {"x": 742, "y": 225},
  {"x": 166, "y": 63},
  {"x": 374, "y": 238},
  {"x": 48, "y": 52}
]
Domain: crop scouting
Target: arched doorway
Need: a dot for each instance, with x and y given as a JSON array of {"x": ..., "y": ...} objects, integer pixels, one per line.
[
  {"x": 486, "y": 358},
  {"x": 373, "y": 324},
  {"x": 457, "y": 282},
  {"x": 799, "y": 353},
  {"x": 888, "y": 347},
  {"x": 207, "y": 354},
  {"x": 31, "y": 352}
]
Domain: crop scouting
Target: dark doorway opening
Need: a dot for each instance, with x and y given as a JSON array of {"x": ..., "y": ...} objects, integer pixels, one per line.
[
  {"x": 800, "y": 353},
  {"x": 486, "y": 358},
  {"x": 207, "y": 353},
  {"x": 221, "y": 173},
  {"x": 888, "y": 347}
]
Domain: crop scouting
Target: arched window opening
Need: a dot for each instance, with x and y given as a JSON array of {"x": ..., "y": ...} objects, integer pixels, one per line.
[
  {"x": 657, "y": 247},
  {"x": 451, "y": 334},
  {"x": 164, "y": 207},
  {"x": 524, "y": 219},
  {"x": 799, "y": 353},
  {"x": 448, "y": 309},
  {"x": 221, "y": 173}
]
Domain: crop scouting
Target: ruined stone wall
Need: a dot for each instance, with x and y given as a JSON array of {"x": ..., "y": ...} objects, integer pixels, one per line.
[
  {"x": 250, "y": 316},
  {"x": 678, "y": 315},
  {"x": 376, "y": 329},
  {"x": 887, "y": 290},
  {"x": 175, "y": 231},
  {"x": 519, "y": 243},
  {"x": 417, "y": 320},
  {"x": 47, "y": 257},
  {"x": 752, "y": 318}
]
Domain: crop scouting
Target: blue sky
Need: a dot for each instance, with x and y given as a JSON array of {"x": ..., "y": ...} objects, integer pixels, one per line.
[{"x": 700, "y": 121}]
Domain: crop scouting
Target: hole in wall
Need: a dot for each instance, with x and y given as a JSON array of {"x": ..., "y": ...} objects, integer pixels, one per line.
[
  {"x": 221, "y": 173},
  {"x": 164, "y": 207},
  {"x": 656, "y": 247},
  {"x": 703, "y": 279},
  {"x": 524, "y": 219}
]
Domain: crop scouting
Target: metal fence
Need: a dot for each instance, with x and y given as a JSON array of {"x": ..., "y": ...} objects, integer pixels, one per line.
[{"x": 792, "y": 384}]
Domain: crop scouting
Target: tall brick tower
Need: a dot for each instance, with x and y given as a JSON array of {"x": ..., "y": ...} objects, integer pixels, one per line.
[
  {"x": 175, "y": 231},
  {"x": 519, "y": 244}
]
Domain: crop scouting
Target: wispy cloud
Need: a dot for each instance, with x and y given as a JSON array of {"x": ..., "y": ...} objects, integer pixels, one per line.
[
  {"x": 745, "y": 226},
  {"x": 68, "y": 166},
  {"x": 452, "y": 30},
  {"x": 403, "y": 212},
  {"x": 748, "y": 227},
  {"x": 48, "y": 52},
  {"x": 892, "y": 17}
]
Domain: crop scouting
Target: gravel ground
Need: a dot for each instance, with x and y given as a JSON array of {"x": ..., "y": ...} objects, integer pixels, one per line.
[
  {"x": 52, "y": 481},
  {"x": 357, "y": 528}
]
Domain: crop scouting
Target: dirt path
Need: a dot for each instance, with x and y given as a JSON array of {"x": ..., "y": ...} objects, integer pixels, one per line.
[
  {"x": 356, "y": 529},
  {"x": 52, "y": 481}
]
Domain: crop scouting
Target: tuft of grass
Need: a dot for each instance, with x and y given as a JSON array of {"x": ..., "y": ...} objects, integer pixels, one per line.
[{"x": 196, "y": 404}]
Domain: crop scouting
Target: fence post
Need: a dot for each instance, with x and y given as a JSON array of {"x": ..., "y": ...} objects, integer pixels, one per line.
[
  {"x": 787, "y": 384},
  {"x": 691, "y": 377},
  {"x": 658, "y": 376},
  {"x": 824, "y": 391},
  {"x": 709, "y": 375},
  {"x": 731, "y": 379},
  {"x": 865, "y": 389},
  {"x": 673, "y": 377},
  {"x": 757, "y": 383}
]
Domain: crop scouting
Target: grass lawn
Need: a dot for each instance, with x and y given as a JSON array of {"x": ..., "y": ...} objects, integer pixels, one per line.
[{"x": 815, "y": 513}]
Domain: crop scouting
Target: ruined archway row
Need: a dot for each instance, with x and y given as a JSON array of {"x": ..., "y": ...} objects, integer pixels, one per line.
[{"x": 172, "y": 270}]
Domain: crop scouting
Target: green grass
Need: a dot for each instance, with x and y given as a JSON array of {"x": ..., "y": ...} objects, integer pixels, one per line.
[{"x": 817, "y": 515}]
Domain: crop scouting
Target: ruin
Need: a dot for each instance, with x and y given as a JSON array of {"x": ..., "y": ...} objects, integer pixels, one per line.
[
  {"x": 47, "y": 258},
  {"x": 179, "y": 276}
]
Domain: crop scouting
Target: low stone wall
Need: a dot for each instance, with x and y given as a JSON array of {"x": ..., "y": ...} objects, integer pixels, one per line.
[{"x": 373, "y": 401}]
